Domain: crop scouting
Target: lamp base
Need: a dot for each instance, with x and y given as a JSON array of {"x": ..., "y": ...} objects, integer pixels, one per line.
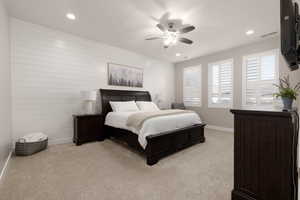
[{"x": 89, "y": 108}]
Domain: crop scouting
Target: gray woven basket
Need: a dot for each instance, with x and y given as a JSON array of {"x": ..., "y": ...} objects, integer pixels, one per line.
[{"x": 28, "y": 148}]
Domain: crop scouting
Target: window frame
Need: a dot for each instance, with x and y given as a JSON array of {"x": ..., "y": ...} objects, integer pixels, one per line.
[
  {"x": 201, "y": 85},
  {"x": 244, "y": 77},
  {"x": 209, "y": 85}
]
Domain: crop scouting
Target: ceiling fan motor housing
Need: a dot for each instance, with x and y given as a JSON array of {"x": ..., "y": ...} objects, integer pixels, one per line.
[{"x": 171, "y": 25}]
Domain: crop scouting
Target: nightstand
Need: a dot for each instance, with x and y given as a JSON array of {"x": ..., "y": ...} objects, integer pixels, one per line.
[{"x": 88, "y": 128}]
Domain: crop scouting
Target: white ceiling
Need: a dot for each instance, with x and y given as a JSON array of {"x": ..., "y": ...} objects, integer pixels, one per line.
[{"x": 219, "y": 24}]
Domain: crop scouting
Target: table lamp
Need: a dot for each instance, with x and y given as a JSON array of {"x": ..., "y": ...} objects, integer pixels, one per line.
[{"x": 88, "y": 97}]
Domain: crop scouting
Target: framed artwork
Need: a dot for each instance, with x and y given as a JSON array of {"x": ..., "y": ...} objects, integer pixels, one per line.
[{"x": 122, "y": 75}]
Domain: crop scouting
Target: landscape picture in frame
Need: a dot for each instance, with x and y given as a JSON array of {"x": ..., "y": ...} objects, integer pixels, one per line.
[{"x": 122, "y": 75}]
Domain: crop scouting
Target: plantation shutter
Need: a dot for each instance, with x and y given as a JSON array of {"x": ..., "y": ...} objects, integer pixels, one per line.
[
  {"x": 261, "y": 72},
  {"x": 192, "y": 86},
  {"x": 220, "y": 81}
]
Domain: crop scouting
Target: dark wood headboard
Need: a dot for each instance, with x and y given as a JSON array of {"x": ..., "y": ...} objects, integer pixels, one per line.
[{"x": 121, "y": 95}]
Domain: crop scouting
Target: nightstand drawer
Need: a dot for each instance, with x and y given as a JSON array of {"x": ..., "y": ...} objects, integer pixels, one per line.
[{"x": 88, "y": 128}]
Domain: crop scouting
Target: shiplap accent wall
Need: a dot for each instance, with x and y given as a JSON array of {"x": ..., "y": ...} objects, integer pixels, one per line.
[
  {"x": 50, "y": 68},
  {"x": 5, "y": 88}
]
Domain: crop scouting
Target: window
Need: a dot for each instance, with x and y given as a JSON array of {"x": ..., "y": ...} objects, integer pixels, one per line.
[
  {"x": 260, "y": 72},
  {"x": 192, "y": 86},
  {"x": 220, "y": 79}
]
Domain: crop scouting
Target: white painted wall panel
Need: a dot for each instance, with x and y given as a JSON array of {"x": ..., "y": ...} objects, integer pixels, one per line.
[
  {"x": 5, "y": 87},
  {"x": 50, "y": 68}
]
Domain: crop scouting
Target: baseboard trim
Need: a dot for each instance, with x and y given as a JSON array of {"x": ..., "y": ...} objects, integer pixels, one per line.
[
  {"x": 219, "y": 128},
  {"x": 5, "y": 165},
  {"x": 60, "y": 141}
]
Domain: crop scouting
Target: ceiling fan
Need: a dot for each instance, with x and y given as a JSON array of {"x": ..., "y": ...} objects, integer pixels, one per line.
[{"x": 172, "y": 34}]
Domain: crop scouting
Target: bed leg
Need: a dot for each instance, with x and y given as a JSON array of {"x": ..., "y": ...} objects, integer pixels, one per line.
[
  {"x": 152, "y": 161},
  {"x": 202, "y": 140}
]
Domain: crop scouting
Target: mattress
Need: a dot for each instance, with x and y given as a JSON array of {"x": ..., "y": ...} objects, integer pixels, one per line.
[{"x": 152, "y": 126}]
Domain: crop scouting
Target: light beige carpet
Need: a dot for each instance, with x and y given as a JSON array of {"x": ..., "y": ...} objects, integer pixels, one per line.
[{"x": 109, "y": 171}]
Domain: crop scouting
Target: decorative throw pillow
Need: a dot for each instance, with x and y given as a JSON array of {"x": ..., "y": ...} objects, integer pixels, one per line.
[
  {"x": 123, "y": 106},
  {"x": 147, "y": 106}
]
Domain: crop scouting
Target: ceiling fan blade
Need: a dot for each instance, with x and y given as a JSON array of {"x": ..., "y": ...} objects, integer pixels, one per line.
[
  {"x": 186, "y": 41},
  {"x": 165, "y": 17},
  {"x": 154, "y": 38},
  {"x": 161, "y": 27},
  {"x": 187, "y": 29}
]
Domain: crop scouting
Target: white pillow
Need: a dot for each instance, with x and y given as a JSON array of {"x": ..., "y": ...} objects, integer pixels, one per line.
[
  {"x": 123, "y": 106},
  {"x": 147, "y": 106}
]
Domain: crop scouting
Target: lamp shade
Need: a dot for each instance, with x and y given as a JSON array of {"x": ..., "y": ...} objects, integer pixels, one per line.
[{"x": 89, "y": 95}]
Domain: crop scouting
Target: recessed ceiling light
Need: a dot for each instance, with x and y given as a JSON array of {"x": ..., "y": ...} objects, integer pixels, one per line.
[
  {"x": 71, "y": 16},
  {"x": 250, "y": 32},
  {"x": 178, "y": 54}
]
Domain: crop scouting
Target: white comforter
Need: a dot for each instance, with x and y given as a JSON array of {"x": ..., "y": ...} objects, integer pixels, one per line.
[{"x": 152, "y": 126}]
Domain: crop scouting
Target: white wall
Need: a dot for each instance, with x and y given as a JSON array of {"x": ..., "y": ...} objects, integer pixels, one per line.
[
  {"x": 5, "y": 87},
  {"x": 50, "y": 68},
  {"x": 220, "y": 116}
]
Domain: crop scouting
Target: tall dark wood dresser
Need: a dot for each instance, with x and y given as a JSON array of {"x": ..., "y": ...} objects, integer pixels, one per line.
[{"x": 265, "y": 155}]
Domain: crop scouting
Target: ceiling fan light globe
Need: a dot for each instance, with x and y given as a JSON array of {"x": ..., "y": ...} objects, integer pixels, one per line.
[
  {"x": 167, "y": 42},
  {"x": 170, "y": 38}
]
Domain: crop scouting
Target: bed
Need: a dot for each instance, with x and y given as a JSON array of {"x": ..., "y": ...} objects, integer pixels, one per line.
[{"x": 157, "y": 145}]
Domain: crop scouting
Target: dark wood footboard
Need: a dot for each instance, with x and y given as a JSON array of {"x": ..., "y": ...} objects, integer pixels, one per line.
[{"x": 161, "y": 145}]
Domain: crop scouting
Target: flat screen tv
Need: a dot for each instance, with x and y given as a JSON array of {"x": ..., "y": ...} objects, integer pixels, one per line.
[{"x": 290, "y": 30}]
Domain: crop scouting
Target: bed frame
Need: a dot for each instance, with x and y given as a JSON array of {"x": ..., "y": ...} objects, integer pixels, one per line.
[{"x": 158, "y": 146}]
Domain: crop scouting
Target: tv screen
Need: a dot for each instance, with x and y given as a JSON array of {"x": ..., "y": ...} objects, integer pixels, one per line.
[{"x": 290, "y": 33}]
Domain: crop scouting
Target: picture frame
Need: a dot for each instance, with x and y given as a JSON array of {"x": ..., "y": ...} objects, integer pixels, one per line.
[{"x": 124, "y": 75}]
